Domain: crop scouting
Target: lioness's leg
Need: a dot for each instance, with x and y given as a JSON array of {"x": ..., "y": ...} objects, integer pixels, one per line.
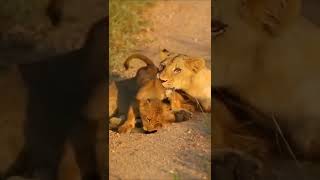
[
  {"x": 231, "y": 165},
  {"x": 188, "y": 107},
  {"x": 130, "y": 123},
  {"x": 206, "y": 105},
  {"x": 182, "y": 110},
  {"x": 178, "y": 103}
]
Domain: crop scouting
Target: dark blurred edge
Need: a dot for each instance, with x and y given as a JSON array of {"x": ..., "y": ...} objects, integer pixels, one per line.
[{"x": 12, "y": 48}]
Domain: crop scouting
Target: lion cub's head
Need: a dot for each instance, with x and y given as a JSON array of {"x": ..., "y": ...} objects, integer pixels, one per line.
[
  {"x": 176, "y": 70},
  {"x": 155, "y": 114}
]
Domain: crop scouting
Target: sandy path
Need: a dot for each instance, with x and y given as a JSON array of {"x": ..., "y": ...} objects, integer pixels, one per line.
[
  {"x": 184, "y": 27},
  {"x": 181, "y": 26},
  {"x": 183, "y": 150}
]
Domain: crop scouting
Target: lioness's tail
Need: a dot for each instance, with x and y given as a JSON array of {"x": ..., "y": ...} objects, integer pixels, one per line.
[{"x": 138, "y": 56}]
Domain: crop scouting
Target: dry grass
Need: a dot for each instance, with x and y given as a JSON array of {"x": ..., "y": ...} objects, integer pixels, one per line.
[{"x": 125, "y": 22}]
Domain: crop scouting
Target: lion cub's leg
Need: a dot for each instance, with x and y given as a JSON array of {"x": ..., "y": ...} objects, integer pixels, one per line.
[
  {"x": 113, "y": 98},
  {"x": 130, "y": 123}
]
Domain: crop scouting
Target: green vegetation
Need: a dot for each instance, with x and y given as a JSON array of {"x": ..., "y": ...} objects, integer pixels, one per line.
[
  {"x": 176, "y": 176},
  {"x": 125, "y": 22}
]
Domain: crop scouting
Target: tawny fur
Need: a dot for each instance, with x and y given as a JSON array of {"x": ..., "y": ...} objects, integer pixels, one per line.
[
  {"x": 146, "y": 99},
  {"x": 189, "y": 74},
  {"x": 269, "y": 55}
]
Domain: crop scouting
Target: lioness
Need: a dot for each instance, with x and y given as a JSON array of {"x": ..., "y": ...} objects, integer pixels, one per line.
[
  {"x": 268, "y": 54},
  {"x": 148, "y": 102},
  {"x": 186, "y": 73}
]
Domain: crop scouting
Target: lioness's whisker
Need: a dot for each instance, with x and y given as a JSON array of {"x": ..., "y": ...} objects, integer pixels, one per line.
[{"x": 285, "y": 141}]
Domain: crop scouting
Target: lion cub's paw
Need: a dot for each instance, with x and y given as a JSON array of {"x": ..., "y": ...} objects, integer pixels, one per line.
[
  {"x": 168, "y": 92},
  {"x": 125, "y": 128},
  {"x": 182, "y": 115},
  {"x": 114, "y": 122},
  {"x": 233, "y": 165}
]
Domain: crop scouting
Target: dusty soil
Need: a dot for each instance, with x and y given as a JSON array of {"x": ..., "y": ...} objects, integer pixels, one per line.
[
  {"x": 182, "y": 26},
  {"x": 183, "y": 150}
]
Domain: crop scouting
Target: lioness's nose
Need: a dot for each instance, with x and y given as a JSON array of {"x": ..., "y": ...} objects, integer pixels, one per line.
[{"x": 162, "y": 81}]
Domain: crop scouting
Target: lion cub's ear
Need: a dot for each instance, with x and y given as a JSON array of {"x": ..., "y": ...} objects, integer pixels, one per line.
[
  {"x": 164, "y": 54},
  {"x": 271, "y": 15},
  {"x": 195, "y": 65}
]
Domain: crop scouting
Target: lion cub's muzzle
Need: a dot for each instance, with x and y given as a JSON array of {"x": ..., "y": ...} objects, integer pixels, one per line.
[{"x": 150, "y": 132}]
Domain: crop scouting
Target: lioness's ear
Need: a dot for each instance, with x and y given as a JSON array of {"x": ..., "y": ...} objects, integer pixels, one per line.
[
  {"x": 271, "y": 15},
  {"x": 164, "y": 54},
  {"x": 195, "y": 65}
]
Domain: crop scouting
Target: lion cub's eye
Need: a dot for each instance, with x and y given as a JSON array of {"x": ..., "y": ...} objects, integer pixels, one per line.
[
  {"x": 177, "y": 70},
  {"x": 218, "y": 27}
]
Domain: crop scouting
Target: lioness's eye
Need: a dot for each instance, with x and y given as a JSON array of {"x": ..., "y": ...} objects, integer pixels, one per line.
[
  {"x": 177, "y": 70},
  {"x": 218, "y": 27}
]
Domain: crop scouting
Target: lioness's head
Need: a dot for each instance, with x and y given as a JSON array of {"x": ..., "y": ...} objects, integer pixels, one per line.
[
  {"x": 241, "y": 31},
  {"x": 177, "y": 70},
  {"x": 155, "y": 114}
]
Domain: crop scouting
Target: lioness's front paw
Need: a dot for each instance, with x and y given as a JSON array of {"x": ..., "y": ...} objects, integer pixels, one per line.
[
  {"x": 125, "y": 128},
  {"x": 182, "y": 115},
  {"x": 233, "y": 165}
]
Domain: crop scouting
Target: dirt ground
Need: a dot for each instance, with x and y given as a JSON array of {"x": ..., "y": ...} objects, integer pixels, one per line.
[
  {"x": 185, "y": 27},
  {"x": 183, "y": 150}
]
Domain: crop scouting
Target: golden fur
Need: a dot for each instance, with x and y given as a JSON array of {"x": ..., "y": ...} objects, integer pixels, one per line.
[
  {"x": 189, "y": 74},
  {"x": 113, "y": 98},
  {"x": 148, "y": 101},
  {"x": 269, "y": 55},
  {"x": 144, "y": 74},
  {"x": 234, "y": 128}
]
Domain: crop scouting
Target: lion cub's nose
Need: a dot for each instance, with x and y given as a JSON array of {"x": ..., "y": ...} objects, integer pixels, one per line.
[{"x": 150, "y": 132}]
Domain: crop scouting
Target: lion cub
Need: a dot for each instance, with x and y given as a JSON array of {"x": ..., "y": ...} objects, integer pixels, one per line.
[{"x": 149, "y": 102}]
